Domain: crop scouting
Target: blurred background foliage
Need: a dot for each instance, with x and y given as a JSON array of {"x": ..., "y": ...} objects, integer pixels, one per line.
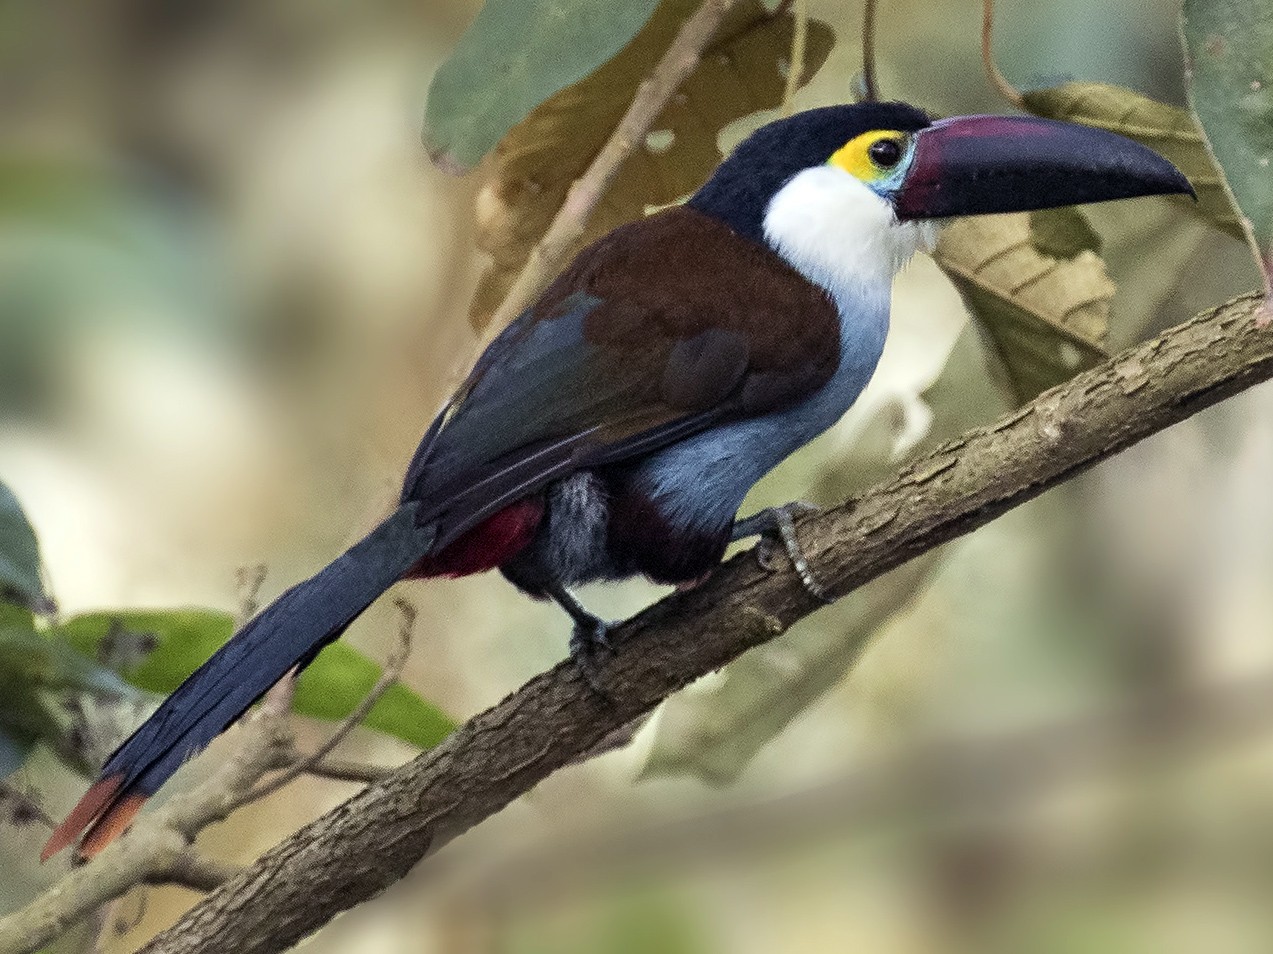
[{"x": 234, "y": 290}]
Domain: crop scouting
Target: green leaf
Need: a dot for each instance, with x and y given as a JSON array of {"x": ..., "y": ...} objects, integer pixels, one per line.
[
  {"x": 20, "y": 579},
  {"x": 341, "y": 677},
  {"x": 14, "y": 749},
  {"x": 53, "y": 694},
  {"x": 158, "y": 649},
  {"x": 1167, "y": 129},
  {"x": 1045, "y": 318},
  {"x": 153, "y": 649},
  {"x": 514, "y": 56},
  {"x": 1229, "y": 44}
]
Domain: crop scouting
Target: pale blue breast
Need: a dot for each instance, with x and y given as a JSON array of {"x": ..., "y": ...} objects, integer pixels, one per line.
[{"x": 700, "y": 482}]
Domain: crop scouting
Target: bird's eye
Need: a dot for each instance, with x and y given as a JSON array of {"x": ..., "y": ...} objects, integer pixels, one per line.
[
  {"x": 885, "y": 153},
  {"x": 872, "y": 156}
]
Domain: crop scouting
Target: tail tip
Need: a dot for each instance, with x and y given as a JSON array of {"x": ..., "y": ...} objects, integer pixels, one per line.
[
  {"x": 101, "y": 812},
  {"x": 111, "y": 824}
]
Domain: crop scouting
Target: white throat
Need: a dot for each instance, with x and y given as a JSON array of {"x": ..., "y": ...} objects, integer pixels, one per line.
[{"x": 839, "y": 234}]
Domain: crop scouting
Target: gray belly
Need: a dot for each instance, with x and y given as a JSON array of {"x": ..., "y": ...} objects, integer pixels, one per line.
[
  {"x": 701, "y": 482},
  {"x": 570, "y": 546}
]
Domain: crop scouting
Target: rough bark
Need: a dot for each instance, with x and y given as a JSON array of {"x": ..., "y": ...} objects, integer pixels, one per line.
[{"x": 368, "y": 843}]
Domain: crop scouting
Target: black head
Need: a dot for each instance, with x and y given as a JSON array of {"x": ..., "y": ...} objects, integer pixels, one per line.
[
  {"x": 925, "y": 169},
  {"x": 739, "y": 191}
]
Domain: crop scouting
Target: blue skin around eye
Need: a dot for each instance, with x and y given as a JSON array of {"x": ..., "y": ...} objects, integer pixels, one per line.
[{"x": 886, "y": 186}]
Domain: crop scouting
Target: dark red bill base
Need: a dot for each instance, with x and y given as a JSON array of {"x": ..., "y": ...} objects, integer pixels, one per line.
[{"x": 975, "y": 165}]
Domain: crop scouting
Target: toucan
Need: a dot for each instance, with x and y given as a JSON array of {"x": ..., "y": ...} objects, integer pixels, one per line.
[{"x": 614, "y": 428}]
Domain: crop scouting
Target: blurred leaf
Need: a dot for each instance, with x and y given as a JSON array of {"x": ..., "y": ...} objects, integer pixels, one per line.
[
  {"x": 82, "y": 243},
  {"x": 20, "y": 580},
  {"x": 641, "y": 919},
  {"x": 14, "y": 749},
  {"x": 1063, "y": 233},
  {"x": 538, "y": 160},
  {"x": 1230, "y": 49},
  {"x": 152, "y": 649},
  {"x": 158, "y": 649},
  {"x": 134, "y": 220},
  {"x": 45, "y": 686},
  {"x": 1045, "y": 318},
  {"x": 1167, "y": 129},
  {"x": 29, "y": 661},
  {"x": 515, "y": 55},
  {"x": 715, "y": 731},
  {"x": 965, "y": 394}
]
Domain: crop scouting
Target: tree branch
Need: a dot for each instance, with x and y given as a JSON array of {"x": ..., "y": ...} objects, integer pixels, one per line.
[
  {"x": 997, "y": 79},
  {"x": 312, "y": 762},
  {"x": 870, "y": 85},
  {"x": 158, "y": 847},
  {"x": 547, "y": 257},
  {"x": 795, "y": 66},
  {"x": 374, "y": 839}
]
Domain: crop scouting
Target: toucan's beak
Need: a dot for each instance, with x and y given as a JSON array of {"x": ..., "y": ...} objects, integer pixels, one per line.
[{"x": 971, "y": 165}]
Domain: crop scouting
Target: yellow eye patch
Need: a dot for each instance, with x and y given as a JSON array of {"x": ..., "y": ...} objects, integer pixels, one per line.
[{"x": 857, "y": 158}]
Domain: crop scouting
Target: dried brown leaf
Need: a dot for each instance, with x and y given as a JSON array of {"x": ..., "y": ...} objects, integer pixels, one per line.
[
  {"x": 534, "y": 165},
  {"x": 1167, "y": 129},
  {"x": 1045, "y": 318}
]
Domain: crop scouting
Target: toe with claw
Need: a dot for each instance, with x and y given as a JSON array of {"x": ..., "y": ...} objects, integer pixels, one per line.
[
  {"x": 591, "y": 648},
  {"x": 775, "y": 526}
]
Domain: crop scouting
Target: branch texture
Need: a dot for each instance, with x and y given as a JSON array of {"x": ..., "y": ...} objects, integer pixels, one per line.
[
  {"x": 547, "y": 258},
  {"x": 374, "y": 839}
]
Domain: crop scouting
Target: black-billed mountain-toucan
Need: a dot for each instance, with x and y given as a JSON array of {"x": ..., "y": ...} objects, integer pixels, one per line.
[{"x": 614, "y": 428}]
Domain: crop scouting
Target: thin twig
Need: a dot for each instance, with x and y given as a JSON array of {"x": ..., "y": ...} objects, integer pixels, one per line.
[
  {"x": 340, "y": 770},
  {"x": 197, "y": 872},
  {"x": 121, "y": 924},
  {"x": 24, "y": 809},
  {"x": 870, "y": 85},
  {"x": 380, "y": 834},
  {"x": 315, "y": 760},
  {"x": 547, "y": 257},
  {"x": 997, "y": 79},
  {"x": 249, "y": 580},
  {"x": 795, "y": 68},
  {"x": 156, "y": 849}
]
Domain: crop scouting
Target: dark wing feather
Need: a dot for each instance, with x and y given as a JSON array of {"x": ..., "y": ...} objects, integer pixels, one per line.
[{"x": 661, "y": 329}]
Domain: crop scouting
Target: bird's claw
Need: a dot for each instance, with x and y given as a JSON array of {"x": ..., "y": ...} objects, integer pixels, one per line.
[
  {"x": 782, "y": 529},
  {"x": 591, "y": 648}
]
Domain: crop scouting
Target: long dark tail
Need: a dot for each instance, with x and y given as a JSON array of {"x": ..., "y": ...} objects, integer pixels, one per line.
[{"x": 289, "y": 632}]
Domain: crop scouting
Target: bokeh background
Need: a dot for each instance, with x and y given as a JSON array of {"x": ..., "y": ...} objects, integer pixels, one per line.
[{"x": 233, "y": 292}]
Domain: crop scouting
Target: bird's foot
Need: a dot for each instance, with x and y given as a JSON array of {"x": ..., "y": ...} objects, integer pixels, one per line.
[
  {"x": 591, "y": 648},
  {"x": 776, "y": 525}
]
